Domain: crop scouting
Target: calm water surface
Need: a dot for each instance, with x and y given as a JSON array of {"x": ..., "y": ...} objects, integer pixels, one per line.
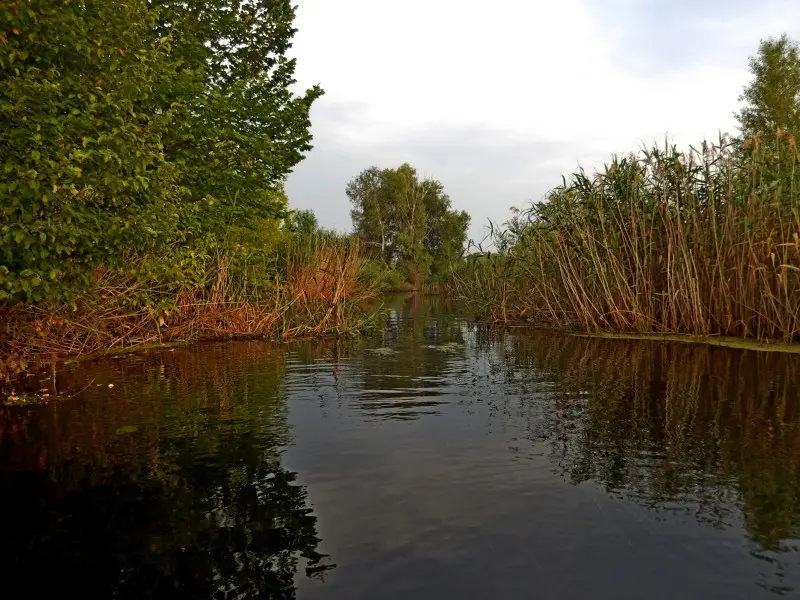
[{"x": 433, "y": 460}]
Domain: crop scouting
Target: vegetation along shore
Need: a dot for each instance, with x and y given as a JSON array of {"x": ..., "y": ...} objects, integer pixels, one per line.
[
  {"x": 703, "y": 242},
  {"x": 144, "y": 150}
]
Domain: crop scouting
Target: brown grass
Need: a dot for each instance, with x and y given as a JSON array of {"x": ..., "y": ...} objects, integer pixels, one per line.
[
  {"x": 320, "y": 294},
  {"x": 702, "y": 244}
]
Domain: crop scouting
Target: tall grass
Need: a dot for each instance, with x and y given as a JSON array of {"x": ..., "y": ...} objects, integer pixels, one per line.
[
  {"x": 704, "y": 242},
  {"x": 316, "y": 289}
]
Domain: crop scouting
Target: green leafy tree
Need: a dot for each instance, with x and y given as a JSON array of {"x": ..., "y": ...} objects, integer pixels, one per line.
[
  {"x": 408, "y": 219},
  {"x": 132, "y": 127},
  {"x": 83, "y": 173},
  {"x": 304, "y": 222},
  {"x": 446, "y": 230},
  {"x": 408, "y": 197},
  {"x": 772, "y": 99},
  {"x": 373, "y": 212},
  {"x": 244, "y": 130}
]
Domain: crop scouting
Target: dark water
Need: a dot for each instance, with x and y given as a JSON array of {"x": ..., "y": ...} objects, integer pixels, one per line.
[{"x": 437, "y": 460}]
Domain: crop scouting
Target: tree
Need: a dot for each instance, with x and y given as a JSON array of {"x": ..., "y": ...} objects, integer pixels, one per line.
[
  {"x": 446, "y": 229},
  {"x": 407, "y": 218},
  {"x": 131, "y": 127},
  {"x": 772, "y": 99},
  {"x": 447, "y": 238},
  {"x": 408, "y": 196},
  {"x": 373, "y": 211},
  {"x": 305, "y": 222},
  {"x": 244, "y": 130}
]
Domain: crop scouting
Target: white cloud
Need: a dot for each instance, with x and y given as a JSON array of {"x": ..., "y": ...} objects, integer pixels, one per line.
[{"x": 451, "y": 85}]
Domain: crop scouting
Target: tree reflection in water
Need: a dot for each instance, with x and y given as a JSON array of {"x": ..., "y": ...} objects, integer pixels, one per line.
[
  {"x": 171, "y": 483},
  {"x": 174, "y": 491}
]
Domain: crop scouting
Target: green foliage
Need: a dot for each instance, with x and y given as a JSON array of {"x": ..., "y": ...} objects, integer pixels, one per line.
[
  {"x": 447, "y": 234},
  {"x": 772, "y": 99},
  {"x": 83, "y": 172},
  {"x": 384, "y": 279},
  {"x": 253, "y": 256},
  {"x": 130, "y": 128},
  {"x": 304, "y": 222},
  {"x": 373, "y": 211},
  {"x": 407, "y": 222},
  {"x": 243, "y": 129}
]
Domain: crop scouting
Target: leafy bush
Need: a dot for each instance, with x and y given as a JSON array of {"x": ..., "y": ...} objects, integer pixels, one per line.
[
  {"x": 130, "y": 128},
  {"x": 383, "y": 278}
]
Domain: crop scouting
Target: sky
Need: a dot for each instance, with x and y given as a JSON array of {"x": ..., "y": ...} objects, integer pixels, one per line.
[{"x": 498, "y": 100}]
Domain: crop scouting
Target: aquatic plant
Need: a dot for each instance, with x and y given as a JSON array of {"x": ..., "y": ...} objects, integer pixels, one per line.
[{"x": 703, "y": 242}]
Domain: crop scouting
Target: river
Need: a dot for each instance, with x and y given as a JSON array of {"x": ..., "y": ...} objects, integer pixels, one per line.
[{"x": 432, "y": 459}]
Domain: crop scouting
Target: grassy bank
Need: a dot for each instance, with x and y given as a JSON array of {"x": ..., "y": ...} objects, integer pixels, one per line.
[
  {"x": 702, "y": 243},
  {"x": 309, "y": 286},
  {"x": 142, "y": 200}
]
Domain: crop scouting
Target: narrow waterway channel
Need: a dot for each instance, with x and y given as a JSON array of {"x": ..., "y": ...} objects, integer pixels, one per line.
[{"x": 434, "y": 459}]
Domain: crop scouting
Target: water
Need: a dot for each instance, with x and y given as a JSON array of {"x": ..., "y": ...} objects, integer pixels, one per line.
[{"x": 434, "y": 460}]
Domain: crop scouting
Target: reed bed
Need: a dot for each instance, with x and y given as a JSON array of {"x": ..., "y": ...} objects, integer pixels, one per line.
[
  {"x": 319, "y": 290},
  {"x": 703, "y": 243}
]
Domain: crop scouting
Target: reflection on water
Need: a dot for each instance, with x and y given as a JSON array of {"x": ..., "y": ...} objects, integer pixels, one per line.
[
  {"x": 438, "y": 459},
  {"x": 169, "y": 484},
  {"x": 674, "y": 425}
]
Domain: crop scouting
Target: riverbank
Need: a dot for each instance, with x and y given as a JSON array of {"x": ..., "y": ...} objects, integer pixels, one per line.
[
  {"x": 319, "y": 289},
  {"x": 680, "y": 447},
  {"x": 703, "y": 243}
]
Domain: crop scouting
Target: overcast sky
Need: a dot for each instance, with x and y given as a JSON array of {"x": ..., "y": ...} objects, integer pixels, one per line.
[{"x": 498, "y": 99}]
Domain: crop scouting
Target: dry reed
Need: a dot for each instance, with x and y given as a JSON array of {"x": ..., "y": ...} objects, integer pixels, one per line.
[
  {"x": 703, "y": 243},
  {"x": 320, "y": 293}
]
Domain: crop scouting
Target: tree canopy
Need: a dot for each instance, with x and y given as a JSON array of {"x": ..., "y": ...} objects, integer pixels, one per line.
[
  {"x": 304, "y": 222},
  {"x": 407, "y": 220},
  {"x": 133, "y": 126},
  {"x": 772, "y": 99}
]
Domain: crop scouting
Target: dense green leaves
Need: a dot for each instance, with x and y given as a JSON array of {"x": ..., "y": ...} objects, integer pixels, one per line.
[
  {"x": 132, "y": 127},
  {"x": 772, "y": 99},
  {"x": 304, "y": 222},
  {"x": 246, "y": 129},
  {"x": 407, "y": 221}
]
